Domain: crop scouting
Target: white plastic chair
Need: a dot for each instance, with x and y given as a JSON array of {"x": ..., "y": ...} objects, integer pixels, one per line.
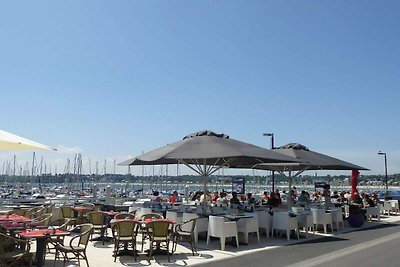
[
  {"x": 217, "y": 227},
  {"x": 264, "y": 221},
  {"x": 142, "y": 211},
  {"x": 306, "y": 222},
  {"x": 373, "y": 211},
  {"x": 297, "y": 209},
  {"x": 249, "y": 225},
  {"x": 201, "y": 224},
  {"x": 320, "y": 217},
  {"x": 346, "y": 210},
  {"x": 337, "y": 217},
  {"x": 282, "y": 221},
  {"x": 395, "y": 205},
  {"x": 218, "y": 210},
  {"x": 387, "y": 207},
  {"x": 172, "y": 215}
]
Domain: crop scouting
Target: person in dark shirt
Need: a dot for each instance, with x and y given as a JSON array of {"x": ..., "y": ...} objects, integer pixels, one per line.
[
  {"x": 357, "y": 199},
  {"x": 234, "y": 200},
  {"x": 273, "y": 201},
  {"x": 251, "y": 199},
  {"x": 368, "y": 202}
]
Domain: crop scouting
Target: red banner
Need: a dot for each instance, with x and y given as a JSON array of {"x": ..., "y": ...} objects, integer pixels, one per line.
[{"x": 354, "y": 181}]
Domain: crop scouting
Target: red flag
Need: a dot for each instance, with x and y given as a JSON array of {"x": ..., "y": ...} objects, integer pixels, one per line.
[{"x": 354, "y": 182}]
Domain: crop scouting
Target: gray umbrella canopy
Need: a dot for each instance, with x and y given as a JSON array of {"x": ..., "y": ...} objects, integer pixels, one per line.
[
  {"x": 205, "y": 152},
  {"x": 311, "y": 160}
]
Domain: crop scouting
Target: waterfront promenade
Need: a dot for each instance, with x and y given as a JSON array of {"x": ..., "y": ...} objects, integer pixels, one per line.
[{"x": 254, "y": 254}]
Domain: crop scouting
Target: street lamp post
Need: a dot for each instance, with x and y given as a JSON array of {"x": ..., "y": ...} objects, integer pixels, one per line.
[
  {"x": 272, "y": 147},
  {"x": 386, "y": 176}
]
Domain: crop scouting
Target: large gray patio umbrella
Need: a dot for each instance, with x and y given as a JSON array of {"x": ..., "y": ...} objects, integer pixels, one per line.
[
  {"x": 205, "y": 152},
  {"x": 310, "y": 160}
]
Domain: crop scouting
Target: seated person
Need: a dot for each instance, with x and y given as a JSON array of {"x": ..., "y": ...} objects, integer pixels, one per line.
[
  {"x": 357, "y": 200},
  {"x": 303, "y": 199},
  {"x": 156, "y": 196},
  {"x": 214, "y": 197},
  {"x": 368, "y": 202},
  {"x": 197, "y": 200},
  {"x": 250, "y": 199},
  {"x": 342, "y": 198},
  {"x": 175, "y": 197},
  {"x": 374, "y": 198},
  {"x": 222, "y": 200},
  {"x": 335, "y": 195},
  {"x": 264, "y": 197},
  {"x": 273, "y": 201},
  {"x": 234, "y": 200},
  {"x": 206, "y": 197}
]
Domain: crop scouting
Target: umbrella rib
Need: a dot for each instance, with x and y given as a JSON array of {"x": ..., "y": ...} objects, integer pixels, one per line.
[{"x": 190, "y": 167}]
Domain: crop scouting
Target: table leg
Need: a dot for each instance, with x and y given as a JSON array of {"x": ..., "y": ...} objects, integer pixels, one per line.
[{"x": 40, "y": 250}]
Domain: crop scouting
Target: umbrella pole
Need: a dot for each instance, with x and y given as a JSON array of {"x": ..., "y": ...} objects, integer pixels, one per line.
[
  {"x": 289, "y": 198},
  {"x": 205, "y": 176}
]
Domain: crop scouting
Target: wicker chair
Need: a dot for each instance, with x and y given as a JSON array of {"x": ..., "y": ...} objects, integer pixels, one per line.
[
  {"x": 11, "y": 252},
  {"x": 125, "y": 233},
  {"x": 133, "y": 212},
  {"x": 68, "y": 213},
  {"x": 44, "y": 220},
  {"x": 77, "y": 246},
  {"x": 159, "y": 232},
  {"x": 54, "y": 240},
  {"x": 180, "y": 235},
  {"x": 49, "y": 208},
  {"x": 97, "y": 219},
  {"x": 124, "y": 215},
  {"x": 143, "y": 229},
  {"x": 20, "y": 212}
]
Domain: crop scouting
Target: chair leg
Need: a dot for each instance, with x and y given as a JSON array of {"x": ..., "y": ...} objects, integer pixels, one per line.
[
  {"x": 258, "y": 236},
  {"x": 222, "y": 240},
  {"x": 168, "y": 251},
  {"x": 237, "y": 241},
  {"x": 246, "y": 237},
  {"x": 208, "y": 239},
  {"x": 191, "y": 246},
  {"x": 134, "y": 249}
]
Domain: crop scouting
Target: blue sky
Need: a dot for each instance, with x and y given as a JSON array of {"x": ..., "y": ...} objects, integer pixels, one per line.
[{"x": 110, "y": 79}]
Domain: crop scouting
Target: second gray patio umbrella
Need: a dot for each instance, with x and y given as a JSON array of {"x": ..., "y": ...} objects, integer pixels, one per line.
[
  {"x": 310, "y": 160},
  {"x": 205, "y": 152}
]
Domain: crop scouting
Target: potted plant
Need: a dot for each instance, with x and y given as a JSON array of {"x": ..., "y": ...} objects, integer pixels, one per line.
[{"x": 356, "y": 218}]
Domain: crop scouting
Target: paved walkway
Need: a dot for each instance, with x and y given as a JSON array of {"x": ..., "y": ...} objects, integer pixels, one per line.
[{"x": 101, "y": 255}]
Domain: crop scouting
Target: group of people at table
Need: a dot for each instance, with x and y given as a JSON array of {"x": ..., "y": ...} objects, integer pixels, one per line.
[{"x": 273, "y": 199}]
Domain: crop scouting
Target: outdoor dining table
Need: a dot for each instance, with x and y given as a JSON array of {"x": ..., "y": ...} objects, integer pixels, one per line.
[
  {"x": 41, "y": 237},
  {"x": 79, "y": 211},
  {"x": 14, "y": 218},
  {"x": 236, "y": 217},
  {"x": 111, "y": 213},
  {"x": 12, "y": 227},
  {"x": 5, "y": 212}
]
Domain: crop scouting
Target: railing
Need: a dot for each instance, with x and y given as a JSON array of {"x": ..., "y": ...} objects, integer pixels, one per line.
[{"x": 62, "y": 201}]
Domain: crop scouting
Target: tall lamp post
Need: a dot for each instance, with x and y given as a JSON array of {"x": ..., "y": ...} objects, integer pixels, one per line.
[
  {"x": 272, "y": 147},
  {"x": 386, "y": 177}
]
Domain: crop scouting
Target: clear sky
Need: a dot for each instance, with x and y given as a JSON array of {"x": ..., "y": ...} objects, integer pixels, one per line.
[{"x": 111, "y": 79}]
